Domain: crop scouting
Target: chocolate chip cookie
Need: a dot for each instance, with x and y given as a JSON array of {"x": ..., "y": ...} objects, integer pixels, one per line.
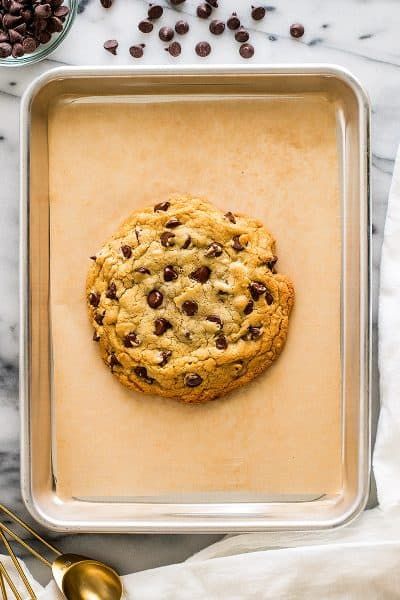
[{"x": 186, "y": 302}]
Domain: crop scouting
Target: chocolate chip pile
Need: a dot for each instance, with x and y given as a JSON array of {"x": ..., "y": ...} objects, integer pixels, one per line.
[
  {"x": 25, "y": 24},
  {"x": 203, "y": 11}
]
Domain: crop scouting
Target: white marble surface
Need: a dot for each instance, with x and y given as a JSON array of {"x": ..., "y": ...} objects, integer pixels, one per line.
[{"x": 361, "y": 35}]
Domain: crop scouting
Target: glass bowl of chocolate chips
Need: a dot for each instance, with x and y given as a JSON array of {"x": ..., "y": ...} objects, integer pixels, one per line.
[{"x": 31, "y": 29}]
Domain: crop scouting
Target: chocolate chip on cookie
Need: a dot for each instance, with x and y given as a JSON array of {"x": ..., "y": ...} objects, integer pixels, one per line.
[
  {"x": 190, "y": 308},
  {"x": 271, "y": 263},
  {"x": 111, "y": 292},
  {"x": 167, "y": 239},
  {"x": 94, "y": 257},
  {"x": 215, "y": 319},
  {"x": 94, "y": 299},
  {"x": 230, "y": 216},
  {"x": 142, "y": 373},
  {"x": 213, "y": 250},
  {"x": 221, "y": 342},
  {"x": 257, "y": 289},
  {"x": 99, "y": 318},
  {"x": 113, "y": 361},
  {"x": 253, "y": 333},
  {"x": 165, "y": 356},
  {"x": 269, "y": 298},
  {"x": 96, "y": 337},
  {"x": 126, "y": 251},
  {"x": 236, "y": 245},
  {"x": 187, "y": 242},
  {"x": 162, "y": 206},
  {"x": 249, "y": 307},
  {"x": 142, "y": 271},
  {"x": 172, "y": 223},
  {"x": 170, "y": 274},
  {"x": 193, "y": 380},
  {"x": 161, "y": 325},
  {"x": 202, "y": 274},
  {"x": 155, "y": 299},
  {"x": 131, "y": 340}
]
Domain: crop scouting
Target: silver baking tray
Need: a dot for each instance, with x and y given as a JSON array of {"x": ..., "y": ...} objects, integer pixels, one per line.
[{"x": 204, "y": 513}]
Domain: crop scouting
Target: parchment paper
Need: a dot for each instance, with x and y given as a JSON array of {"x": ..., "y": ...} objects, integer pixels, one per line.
[{"x": 272, "y": 158}]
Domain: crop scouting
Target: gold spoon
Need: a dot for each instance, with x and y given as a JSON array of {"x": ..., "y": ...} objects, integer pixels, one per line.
[{"x": 78, "y": 577}]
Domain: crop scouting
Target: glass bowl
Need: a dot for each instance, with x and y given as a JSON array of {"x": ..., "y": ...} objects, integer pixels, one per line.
[{"x": 44, "y": 50}]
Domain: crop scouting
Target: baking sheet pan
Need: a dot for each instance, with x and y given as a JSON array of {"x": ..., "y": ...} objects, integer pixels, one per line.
[{"x": 289, "y": 145}]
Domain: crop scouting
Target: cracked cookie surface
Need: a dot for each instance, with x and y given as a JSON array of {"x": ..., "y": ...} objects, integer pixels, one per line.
[{"x": 185, "y": 300}]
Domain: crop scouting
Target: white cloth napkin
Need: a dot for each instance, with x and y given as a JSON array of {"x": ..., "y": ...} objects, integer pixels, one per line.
[{"x": 357, "y": 562}]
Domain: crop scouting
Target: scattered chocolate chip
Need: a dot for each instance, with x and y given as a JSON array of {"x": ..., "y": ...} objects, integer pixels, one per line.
[
  {"x": 187, "y": 243},
  {"x": 142, "y": 373},
  {"x": 253, "y": 333},
  {"x": 155, "y": 11},
  {"x": 177, "y": 2},
  {"x": 221, "y": 342},
  {"x": 246, "y": 50},
  {"x": 233, "y": 22},
  {"x": 230, "y": 216},
  {"x": 190, "y": 308},
  {"x": 215, "y": 319},
  {"x": 202, "y": 274},
  {"x": 145, "y": 26},
  {"x": 174, "y": 49},
  {"x": 204, "y": 11},
  {"x": 249, "y": 307},
  {"x": 94, "y": 257},
  {"x": 172, "y": 223},
  {"x": 217, "y": 27},
  {"x": 257, "y": 289},
  {"x": 193, "y": 380},
  {"x": 213, "y": 3},
  {"x": 241, "y": 35},
  {"x": 29, "y": 45},
  {"x": 111, "y": 293},
  {"x": 136, "y": 51},
  {"x": 131, "y": 340},
  {"x": 126, "y": 251},
  {"x": 99, "y": 318},
  {"x": 161, "y": 325},
  {"x": 213, "y": 250},
  {"x": 272, "y": 38},
  {"x": 162, "y": 206},
  {"x": 165, "y": 356},
  {"x": 166, "y": 34},
  {"x": 155, "y": 299},
  {"x": 269, "y": 298},
  {"x": 106, "y": 3},
  {"x": 142, "y": 271},
  {"x": 181, "y": 27},
  {"x": 258, "y": 12},
  {"x": 94, "y": 299},
  {"x": 297, "y": 30},
  {"x": 236, "y": 245},
  {"x": 5, "y": 50},
  {"x": 203, "y": 49},
  {"x": 167, "y": 239},
  {"x": 169, "y": 273},
  {"x": 113, "y": 361}
]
